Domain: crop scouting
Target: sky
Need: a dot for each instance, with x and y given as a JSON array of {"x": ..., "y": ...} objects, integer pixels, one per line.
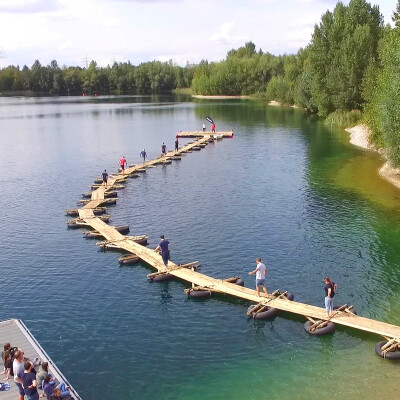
[{"x": 74, "y": 32}]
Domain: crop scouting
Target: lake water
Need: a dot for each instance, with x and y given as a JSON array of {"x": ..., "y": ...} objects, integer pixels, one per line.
[{"x": 285, "y": 188}]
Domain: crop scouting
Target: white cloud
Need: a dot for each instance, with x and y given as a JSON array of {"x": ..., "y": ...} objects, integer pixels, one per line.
[
  {"x": 28, "y": 6},
  {"x": 64, "y": 46},
  {"x": 225, "y": 34}
]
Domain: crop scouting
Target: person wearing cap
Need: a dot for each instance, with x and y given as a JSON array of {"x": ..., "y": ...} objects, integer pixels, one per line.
[
  {"x": 163, "y": 249},
  {"x": 261, "y": 272},
  {"x": 330, "y": 288}
]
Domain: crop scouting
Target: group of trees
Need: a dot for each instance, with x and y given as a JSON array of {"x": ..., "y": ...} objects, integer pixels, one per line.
[
  {"x": 351, "y": 63},
  {"x": 120, "y": 78}
]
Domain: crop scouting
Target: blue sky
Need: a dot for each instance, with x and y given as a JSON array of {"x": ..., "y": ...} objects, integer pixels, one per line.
[{"x": 72, "y": 31}]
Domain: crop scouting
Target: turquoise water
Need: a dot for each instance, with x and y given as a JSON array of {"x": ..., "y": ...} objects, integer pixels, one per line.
[{"x": 286, "y": 188}]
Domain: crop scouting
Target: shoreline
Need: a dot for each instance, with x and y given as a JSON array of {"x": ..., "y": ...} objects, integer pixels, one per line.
[
  {"x": 359, "y": 136},
  {"x": 217, "y": 97}
]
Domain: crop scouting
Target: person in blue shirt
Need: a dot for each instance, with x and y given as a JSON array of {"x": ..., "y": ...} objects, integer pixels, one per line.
[
  {"x": 143, "y": 155},
  {"x": 163, "y": 249}
]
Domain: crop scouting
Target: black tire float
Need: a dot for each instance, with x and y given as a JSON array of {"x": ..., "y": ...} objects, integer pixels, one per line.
[
  {"x": 73, "y": 225},
  {"x": 122, "y": 229},
  {"x": 133, "y": 176},
  {"x": 98, "y": 181},
  {"x": 162, "y": 278},
  {"x": 199, "y": 294},
  {"x": 109, "y": 195},
  {"x": 289, "y": 296},
  {"x": 129, "y": 260},
  {"x": 87, "y": 195},
  {"x": 390, "y": 355},
  {"x": 239, "y": 282},
  {"x": 326, "y": 330},
  {"x": 269, "y": 313}
]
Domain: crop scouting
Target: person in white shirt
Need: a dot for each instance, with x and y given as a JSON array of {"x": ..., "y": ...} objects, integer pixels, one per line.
[{"x": 260, "y": 271}]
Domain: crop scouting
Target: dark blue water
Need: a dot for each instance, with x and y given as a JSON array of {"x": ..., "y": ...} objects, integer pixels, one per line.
[{"x": 282, "y": 189}]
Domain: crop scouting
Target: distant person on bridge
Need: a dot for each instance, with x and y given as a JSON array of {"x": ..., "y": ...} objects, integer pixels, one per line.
[
  {"x": 122, "y": 164},
  {"x": 260, "y": 271},
  {"x": 163, "y": 149},
  {"x": 176, "y": 144},
  {"x": 330, "y": 289},
  {"x": 204, "y": 127},
  {"x": 164, "y": 249},
  {"x": 213, "y": 128},
  {"x": 143, "y": 155},
  {"x": 105, "y": 178}
]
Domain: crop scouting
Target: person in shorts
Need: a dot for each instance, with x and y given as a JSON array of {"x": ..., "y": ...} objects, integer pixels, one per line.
[
  {"x": 105, "y": 178},
  {"x": 261, "y": 272},
  {"x": 164, "y": 250}
]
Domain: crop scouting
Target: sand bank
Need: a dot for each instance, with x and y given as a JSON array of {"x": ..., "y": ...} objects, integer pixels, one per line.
[
  {"x": 359, "y": 136},
  {"x": 279, "y": 104}
]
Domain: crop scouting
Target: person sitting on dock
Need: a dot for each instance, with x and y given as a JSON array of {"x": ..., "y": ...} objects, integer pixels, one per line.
[
  {"x": 330, "y": 289},
  {"x": 260, "y": 271},
  {"x": 42, "y": 373},
  {"x": 163, "y": 149},
  {"x": 163, "y": 248},
  {"x": 176, "y": 144},
  {"x": 59, "y": 392},
  {"x": 122, "y": 164},
  {"x": 143, "y": 155},
  {"x": 105, "y": 178},
  {"x": 50, "y": 390}
]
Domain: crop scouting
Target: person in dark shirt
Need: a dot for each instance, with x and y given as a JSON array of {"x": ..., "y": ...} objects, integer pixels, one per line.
[
  {"x": 105, "y": 178},
  {"x": 29, "y": 382},
  {"x": 143, "y": 155},
  {"x": 176, "y": 144},
  {"x": 330, "y": 288},
  {"x": 163, "y": 149},
  {"x": 164, "y": 249}
]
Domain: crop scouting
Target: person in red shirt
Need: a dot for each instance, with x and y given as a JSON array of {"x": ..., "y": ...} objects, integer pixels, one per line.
[
  {"x": 213, "y": 128},
  {"x": 122, "y": 164}
]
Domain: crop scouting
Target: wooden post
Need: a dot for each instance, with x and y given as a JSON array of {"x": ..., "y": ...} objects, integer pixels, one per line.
[{"x": 322, "y": 323}]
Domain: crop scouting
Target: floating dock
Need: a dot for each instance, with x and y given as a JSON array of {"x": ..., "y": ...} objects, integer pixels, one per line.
[
  {"x": 15, "y": 332},
  {"x": 316, "y": 315}
]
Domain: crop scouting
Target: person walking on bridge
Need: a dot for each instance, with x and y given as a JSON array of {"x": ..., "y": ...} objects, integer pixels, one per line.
[
  {"x": 164, "y": 250},
  {"x": 122, "y": 164},
  {"x": 143, "y": 155},
  {"x": 163, "y": 149},
  {"x": 105, "y": 178},
  {"x": 176, "y": 144},
  {"x": 261, "y": 272}
]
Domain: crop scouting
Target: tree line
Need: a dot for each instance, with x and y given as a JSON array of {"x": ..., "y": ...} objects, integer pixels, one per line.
[
  {"x": 351, "y": 63},
  {"x": 121, "y": 78}
]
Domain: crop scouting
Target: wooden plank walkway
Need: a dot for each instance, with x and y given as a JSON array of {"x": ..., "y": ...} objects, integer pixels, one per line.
[
  {"x": 152, "y": 258},
  {"x": 15, "y": 332}
]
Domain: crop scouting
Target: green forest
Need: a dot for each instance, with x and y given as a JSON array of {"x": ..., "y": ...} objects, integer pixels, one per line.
[{"x": 349, "y": 71}]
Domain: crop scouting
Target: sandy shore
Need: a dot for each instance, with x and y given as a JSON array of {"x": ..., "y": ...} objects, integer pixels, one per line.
[
  {"x": 359, "y": 136},
  {"x": 200, "y": 96},
  {"x": 279, "y": 104}
]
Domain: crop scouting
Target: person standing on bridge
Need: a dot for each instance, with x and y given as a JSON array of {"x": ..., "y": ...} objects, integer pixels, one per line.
[
  {"x": 164, "y": 249},
  {"x": 122, "y": 164},
  {"x": 176, "y": 144},
  {"x": 330, "y": 289},
  {"x": 143, "y": 155},
  {"x": 261, "y": 272},
  {"x": 213, "y": 128},
  {"x": 204, "y": 127},
  {"x": 163, "y": 149},
  {"x": 105, "y": 178}
]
